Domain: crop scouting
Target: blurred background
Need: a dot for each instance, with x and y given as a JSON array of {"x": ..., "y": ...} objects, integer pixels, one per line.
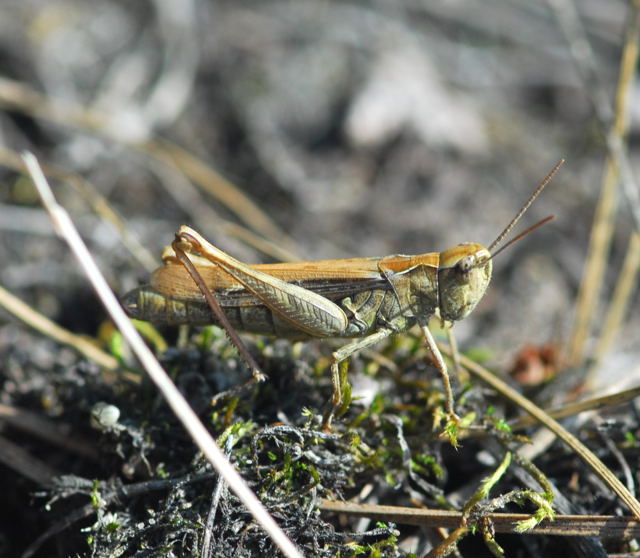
[{"x": 311, "y": 130}]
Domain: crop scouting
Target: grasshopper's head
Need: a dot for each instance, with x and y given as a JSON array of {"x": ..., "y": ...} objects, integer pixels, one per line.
[{"x": 464, "y": 273}]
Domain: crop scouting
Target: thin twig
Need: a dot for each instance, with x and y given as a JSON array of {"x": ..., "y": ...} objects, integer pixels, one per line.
[
  {"x": 176, "y": 401},
  {"x": 580, "y": 407},
  {"x": 218, "y": 491},
  {"x": 619, "y": 305},
  {"x": 44, "y": 325},
  {"x": 608, "y": 526}
]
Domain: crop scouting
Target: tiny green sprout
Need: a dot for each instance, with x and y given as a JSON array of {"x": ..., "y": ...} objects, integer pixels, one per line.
[
  {"x": 451, "y": 430},
  {"x": 237, "y": 430},
  {"x": 272, "y": 456},
  {"x": 309, "y": 417},
  {"x": 96, "y": 499},
  {"x": 315, "y": 474},
  {"x": 355, "y": 548},
  {"x": 345, "y": 388},
  {"x": 544, "y": 511},
  {"x": 453, "y": 427},
  {"x": 117, "y": 346},
  {"x": 390, "y": 479},
  {"x": 232, "y": 405},
  {"x": 161, "y": 471},
  {"x": 353, "y": 439},
  {"x": 427, "y": 464},
  {"x": 207, "y": 336},
  {"x": 377, "y": 548},
  {"x": 489, "y": 482},
  {"x": 502, "y": 425}
]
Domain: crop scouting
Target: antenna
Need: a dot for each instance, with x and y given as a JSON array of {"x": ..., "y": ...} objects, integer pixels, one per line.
[
  {"x": 523, "y": 234},
  {"x": 523, "y": 209}
]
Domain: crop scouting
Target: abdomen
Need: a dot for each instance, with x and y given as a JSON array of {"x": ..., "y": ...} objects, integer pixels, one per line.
[
  {"x": 145, "y": 303},
  {"x": 366, "y": 311}
]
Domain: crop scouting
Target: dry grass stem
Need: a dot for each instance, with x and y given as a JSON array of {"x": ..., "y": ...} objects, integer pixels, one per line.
[{"x": 174, "y": 398}]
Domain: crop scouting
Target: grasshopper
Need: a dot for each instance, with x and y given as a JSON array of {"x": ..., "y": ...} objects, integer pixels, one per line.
[{"x": 367, "y": 299}]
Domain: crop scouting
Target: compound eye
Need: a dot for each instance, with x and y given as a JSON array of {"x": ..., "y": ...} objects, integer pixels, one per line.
[{"x": 465, "y": 265}]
